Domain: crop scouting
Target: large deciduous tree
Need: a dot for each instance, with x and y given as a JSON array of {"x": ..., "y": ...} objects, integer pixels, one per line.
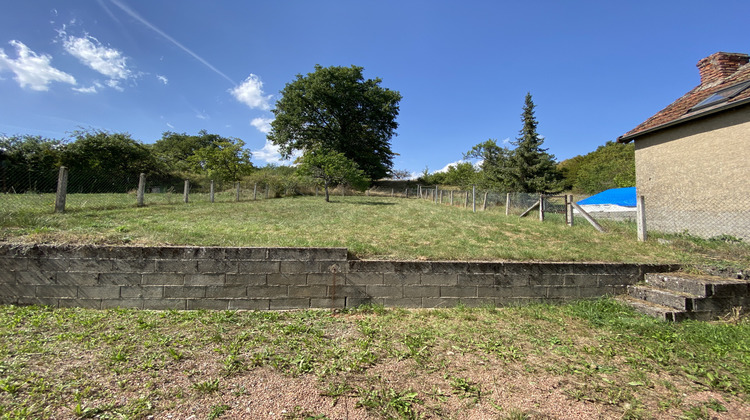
[{"x": 335, "y": 108}]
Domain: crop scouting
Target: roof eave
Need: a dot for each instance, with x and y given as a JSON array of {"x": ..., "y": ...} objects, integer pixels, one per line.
[{"x": 684, "y": 119}]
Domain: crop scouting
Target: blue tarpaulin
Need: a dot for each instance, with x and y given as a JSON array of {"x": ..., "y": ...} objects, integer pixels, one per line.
[{"x": 618, "y": 196}]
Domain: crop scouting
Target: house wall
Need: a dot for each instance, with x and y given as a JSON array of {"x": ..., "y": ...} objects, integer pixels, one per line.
[
  {"x": 695, "y": 177},
  {"x": 183, "y": 278}
]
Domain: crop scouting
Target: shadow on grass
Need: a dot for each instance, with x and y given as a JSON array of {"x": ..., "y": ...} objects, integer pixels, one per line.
[{"x": 364, "y": 203}]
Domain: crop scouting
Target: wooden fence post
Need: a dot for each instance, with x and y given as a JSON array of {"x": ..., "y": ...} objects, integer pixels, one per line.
[
  {"x": 541, "y": 207},
  {"x": 474, "y": 198},
  {"x": 62, "y": 190},
  {"x": 141, "y": 190},
  {"x": 185, "y": 191},
  {"x": 436, "y": 194},
  {"x": 237, "y": 195},
  {"x": 507, "y": 204},
  {"x": 211, "y": 192},
  {"x": 255, "y": 191},
  {"x": 640, "y": 210},
  {"x": 484, "y": 204}
]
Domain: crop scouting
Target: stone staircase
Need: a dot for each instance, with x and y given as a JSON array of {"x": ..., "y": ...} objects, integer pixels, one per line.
[{"x": 679, "y": 296}]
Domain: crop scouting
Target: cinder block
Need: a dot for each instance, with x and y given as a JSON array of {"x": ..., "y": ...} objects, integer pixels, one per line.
[
  {"x": 439, "y": 302},
  {"x": 56, "y": 291},
  {"x": 259, "y": 267},
  {"x": 177, "y": 266},
  {"x": 413, "y": 302},
  {"x": 476, "y": 280},
  {"x": 25, "y": 301},
  {"x": 286, "y": 279},
  {"x": 485, "y": 268},
  {"x": 184, "y": 292},
  {"x": 8, "y": 300},
  {"x": 365, "y": 278},
  {"x": 296, "y": 303},
  {"x": 557, "y": 268},
  {"x": 439, "y": 279},
  {"x": 317, "y": 291},
  {"x": 593, "y": 291},
  {"x": 246, "y": 254},
  {"x": 133, "y": 266},
  {"x": 226, "y": 291},
  {"x": 36, "y": 277},
  {"x": 99, "y": 292},
  {"x": 210, "y": 304},
  {"x": 78, "y": 279},
  {"x": 17, "y": 290},
  {"x": 246, "y": 279},
  {"x": 400, "y": 279},
  {"x": 300, "y": 267},
  {"x": 356, "y": 266},
  {"x": 249, "y": 304},
  {"x": 546, "y": 279},
  {"x": 529, "y": 292},
  {"x": 353, "y": 302},
  {"x": 204, "y": 279},
  {"x": 162, "y": 279},
  {"x": 141, "y": 292},
  {"x": 581, "y": 280},
  {"x": 122, "y": 279},
  {"x": 164, "y": 304},
  {"x": 90, "y": 265},
  {"x": 80, "y": 303},
  {"x": 379, "y": 291},
  {"x": 307, "y": 254},
  {"x": 348, "y": 291},
  {"x": 217, "y": 266},
  {"x": 453, "y": 267},
  {"x": 554, "y": 292},
  {"x": 205, "y": 253},
  {"x": 413, "y": 291},
  {"x": 458, "y": 291},
  {"x": 334, "y": 266},
  {"x": 267, "y": 291},
  {"x": 122, "y": 303},
  {"x": 13, "y": 264},
  {"x": 50, "y": 265},
  {"x": 513, "y": 279},
  {"x": 512, "y": 269},
  {"x": 494, "y": 291},
  {"x": 617, "y": 280},
  {"x": 325, "y": 278},
  {"x": 327, "y": 303},
  {"x": 412, "y": 266}
]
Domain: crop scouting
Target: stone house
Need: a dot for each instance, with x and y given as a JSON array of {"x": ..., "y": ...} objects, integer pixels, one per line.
[{"x": 692, "y": 158}]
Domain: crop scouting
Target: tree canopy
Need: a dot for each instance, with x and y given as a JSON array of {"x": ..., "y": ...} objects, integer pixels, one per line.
[
  {"x": 331, "y": 168},
  {"x": 336, "y": 109},
  {"x": 611, "y": 165}
]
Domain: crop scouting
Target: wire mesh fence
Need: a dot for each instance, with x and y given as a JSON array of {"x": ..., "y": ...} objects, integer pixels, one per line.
[{"x": 708, "y": 217}]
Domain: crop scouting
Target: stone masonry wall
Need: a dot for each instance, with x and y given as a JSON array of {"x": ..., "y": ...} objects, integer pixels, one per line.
[{"x": 286, "y": 278}]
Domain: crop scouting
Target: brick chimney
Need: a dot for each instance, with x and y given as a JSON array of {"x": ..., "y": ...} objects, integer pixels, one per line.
[{"x": 720, "y": 65}]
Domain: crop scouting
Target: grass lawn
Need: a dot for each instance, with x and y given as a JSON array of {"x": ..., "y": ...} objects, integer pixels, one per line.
[
  {"x": 591, "y": 359},
  {"x": 370, "y": 227}
]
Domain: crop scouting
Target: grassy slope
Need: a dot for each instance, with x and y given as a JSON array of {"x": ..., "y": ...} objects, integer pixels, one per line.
[{"x": 371, "y": 227}]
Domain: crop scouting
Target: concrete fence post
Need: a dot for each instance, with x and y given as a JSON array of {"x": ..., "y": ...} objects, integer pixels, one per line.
[
  {"x": 640, "y": 209},
  {"x": 186, "y": 191},
  {"x": 541, "y": 207},
  {"x": 436, "y": 194},
  {"x": 569, "y": 209},
  {"x": 484, "y": 203},
  {"x": 466, "y": 201},
  {"x": 451, "y": 198},
  {"x": 255, "y": 191},
  {"x": 211, "y": 191},
  {"x": 392, "y": 192},
  {"x": 62, "y": 190},
  {"x": 507, "y": 204},
  {"x": 237, "y": 195},
  {"x": 141, "y": 190},
  {"x": 474, "y": 198},
  {"x": 406, "y": 192}
]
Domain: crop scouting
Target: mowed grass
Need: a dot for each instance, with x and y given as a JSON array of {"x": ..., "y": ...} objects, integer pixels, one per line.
[
  {"x": 591, "y": 359},
  {"x": 370, "y": 227}
]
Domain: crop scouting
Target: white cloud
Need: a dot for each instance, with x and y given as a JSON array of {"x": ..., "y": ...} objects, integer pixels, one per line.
[
  {"x": 90, "y": 89},
  {"x": 270, "y": 154},
  {"x": 262, "y": 124},
  {"x": 33, "y": 70},
  {"x": 201, "y": 116},
  {"x": 107, "y": 61},
  {"x": 250, "y": 93},
  {"x": 170, "y": 126},
  {"x": 446, "y": 167},
  {"x": 162, "y": 79}
]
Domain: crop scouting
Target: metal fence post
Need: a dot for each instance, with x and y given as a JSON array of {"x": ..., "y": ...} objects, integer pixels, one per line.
[
  {"x": 62, "y": 190},
  {"x": 141, "y": 190},
  {"x": 640, "y": 209}
]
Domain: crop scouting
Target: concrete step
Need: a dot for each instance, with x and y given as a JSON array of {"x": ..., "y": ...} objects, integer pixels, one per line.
[
  {"x": 670, "y": 298},
  {"x": 699, "y": 285},
  {"x": 665, "y": 313}
]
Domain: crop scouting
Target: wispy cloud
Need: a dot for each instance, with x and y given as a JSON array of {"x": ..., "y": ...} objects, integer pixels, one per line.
[
  {"x": 262, "y": 124},
  {"x": 250, "y": 93},
  {"x": 33, "y": 70},
  {"x": 270, "y": 154},
  {"x": 164, "y": 35},
  {"x": 162, "y": 79},
  {"x": 90, "y": 89},
  {"x": 107, "y": 61}
]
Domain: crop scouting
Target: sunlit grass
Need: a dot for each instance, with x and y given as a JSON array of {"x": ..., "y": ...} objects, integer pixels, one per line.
[{"x": 370, "y": 227}]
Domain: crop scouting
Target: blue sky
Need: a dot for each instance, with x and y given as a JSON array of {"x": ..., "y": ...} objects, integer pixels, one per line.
[{"x": 595, "y": 69}]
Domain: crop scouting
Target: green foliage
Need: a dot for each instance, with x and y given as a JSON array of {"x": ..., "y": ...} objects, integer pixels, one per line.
[
  {"x": 336, "y": 108},
  {"x": 174, "y": 149},
  {"x": 29, "y": 163},
  {"x": 527, "y": 168},
  {"x": 331, "y": 168},
  {"x": 461, "y": 174},
  {"x": 225, "y": 160},
  {"x": 609, "y": 166}
]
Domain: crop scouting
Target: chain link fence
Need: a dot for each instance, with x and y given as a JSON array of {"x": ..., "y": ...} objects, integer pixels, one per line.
[{"x": 709, "y": 217}]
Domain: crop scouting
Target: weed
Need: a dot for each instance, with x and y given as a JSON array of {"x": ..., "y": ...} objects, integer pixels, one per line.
[
  {"x": 390, "y": 403},
  {"x": 207, "y": 387},
  {"x": 466, "y": 389},
  {"x": 218, "y": 411}
]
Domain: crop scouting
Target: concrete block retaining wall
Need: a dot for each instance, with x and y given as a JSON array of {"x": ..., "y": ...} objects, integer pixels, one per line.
[{"x": 286, "y": 278}]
